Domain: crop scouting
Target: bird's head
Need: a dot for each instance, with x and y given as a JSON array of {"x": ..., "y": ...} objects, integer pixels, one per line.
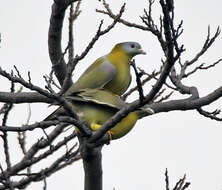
[{"x": 129, "y": 48}]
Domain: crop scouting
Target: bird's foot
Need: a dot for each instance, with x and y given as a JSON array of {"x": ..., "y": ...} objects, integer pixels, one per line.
[{"x": 110, "y": 133}]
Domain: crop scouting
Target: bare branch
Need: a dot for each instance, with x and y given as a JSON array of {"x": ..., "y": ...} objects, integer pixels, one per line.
[
  {"x": 54, "y": 39},
  {"x": 146, "y": 19},
  {"x": 55, "y": 148},
  {"x": 152, "y": 27},
  {"x": 46, "y": 172},
  {"x": 208, "y": 42},
  {"x": 49, "y": 80},
  {"x": 201, "y": 67},
  {"x": 143, "y": 82},
  {"x": 167, "y": 180},
  {"x": 100, "y": 33},
  {"x": 20, "y": 80},
  {"x": 44, "y": 125},
  {"x": 5, "y": 134},
  {"x": 41, "y": 125},
  {"x": 182, "y": 88},
  {"x": 138, "y": 81},
  {"x": 41, "y": 144},
  {"x": 45, "y": 184},
  {"x": 211, "y": 115},
  {"x": 5, "y": 139},
  {"x": 113, "y": 16},
  {"x": 6, "y": 180},
  {"x": 155, "y": 76},
  {"x": 23, "y": 97},
  {"x": 165, "y": 97},
  {"x": 73, "y": 15},
  {"x": 70, "y": 42},
  {"x": 179, "y": 185},
  {"x": 188, "y": 103}
]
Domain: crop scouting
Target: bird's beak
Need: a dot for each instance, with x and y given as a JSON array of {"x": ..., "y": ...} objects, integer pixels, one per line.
[{"x": 140, "y": 51}]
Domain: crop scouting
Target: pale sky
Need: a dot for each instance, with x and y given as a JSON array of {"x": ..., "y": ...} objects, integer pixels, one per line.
[{"x": 184, "y": 142}]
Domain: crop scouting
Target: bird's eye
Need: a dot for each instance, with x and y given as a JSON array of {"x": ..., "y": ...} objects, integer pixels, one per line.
[{"x": 132, "y": 45}]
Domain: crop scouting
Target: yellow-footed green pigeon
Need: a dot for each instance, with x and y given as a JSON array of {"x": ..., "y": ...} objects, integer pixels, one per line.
[
  {"x": 96, "y": 106},
  {"x": 111, "y": 72}
]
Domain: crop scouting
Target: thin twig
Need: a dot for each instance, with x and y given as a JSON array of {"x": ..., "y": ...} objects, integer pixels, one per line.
[
  {"x": 138, "y": 81},
  {"x": 5, "y": 135},
  {"x": 207, "y": 44},
  {"x": 164, "y": 97},
  {"x": 167, "y": 179},
  {"x": 211, "y": 115},
  {"x": 143, "y": 82},
  {"x": 201, "y": 67}
]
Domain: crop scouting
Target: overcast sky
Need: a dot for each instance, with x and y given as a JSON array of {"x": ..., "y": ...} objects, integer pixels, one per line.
[{"x": 183, "y": 142}]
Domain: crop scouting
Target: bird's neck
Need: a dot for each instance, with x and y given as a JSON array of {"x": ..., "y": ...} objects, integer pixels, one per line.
[{"x": 118, "y": 56}]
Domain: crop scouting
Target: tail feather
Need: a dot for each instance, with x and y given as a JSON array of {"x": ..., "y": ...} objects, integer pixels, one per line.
[{"x": 58, "y": 112}]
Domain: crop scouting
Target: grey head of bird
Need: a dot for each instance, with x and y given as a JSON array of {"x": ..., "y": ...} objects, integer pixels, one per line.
[{"x": 132, "y": 48}]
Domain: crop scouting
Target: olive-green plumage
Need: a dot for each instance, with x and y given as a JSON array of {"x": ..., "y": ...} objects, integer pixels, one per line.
[
  {"x": 95, "y": 95},
  {"x": 111, "y": 72},
  {"x": 96, "y": 106}
]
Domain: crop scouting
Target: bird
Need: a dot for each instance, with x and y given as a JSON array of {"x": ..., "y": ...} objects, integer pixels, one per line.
[
  {"x": 96, "y": 106},
  {"x": 111, "y": 71}
]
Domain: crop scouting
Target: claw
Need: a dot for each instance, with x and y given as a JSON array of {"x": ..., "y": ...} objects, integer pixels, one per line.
[{"x": 110, "y": 135}]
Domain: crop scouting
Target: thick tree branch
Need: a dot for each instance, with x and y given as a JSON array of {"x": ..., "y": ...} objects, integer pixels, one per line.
[
  {"x": 41, "y": 125},
  {"x": 92, "y": 163},
  {"x": 187, "y": 103},
  {"x": 23, "y": 97},
  {"x": 54, "y": 39}
]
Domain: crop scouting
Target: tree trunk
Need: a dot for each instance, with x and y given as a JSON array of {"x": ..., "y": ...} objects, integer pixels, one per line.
[{"x": 92, "y": 163}]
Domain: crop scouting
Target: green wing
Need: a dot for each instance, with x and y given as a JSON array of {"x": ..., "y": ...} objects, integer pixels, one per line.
[
  {"x": 98, "y": 96},
  {"x": 96, "y": 76}
]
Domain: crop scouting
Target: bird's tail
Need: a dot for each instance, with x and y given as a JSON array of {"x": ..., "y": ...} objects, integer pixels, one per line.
[{"x": 58, "y": 112}]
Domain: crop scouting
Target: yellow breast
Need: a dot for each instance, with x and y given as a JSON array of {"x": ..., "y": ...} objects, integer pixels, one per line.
[{"x": 122, "y": 79}]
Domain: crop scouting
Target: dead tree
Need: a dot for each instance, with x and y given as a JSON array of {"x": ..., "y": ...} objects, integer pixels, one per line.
[{"x": 170, "y": 76}]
